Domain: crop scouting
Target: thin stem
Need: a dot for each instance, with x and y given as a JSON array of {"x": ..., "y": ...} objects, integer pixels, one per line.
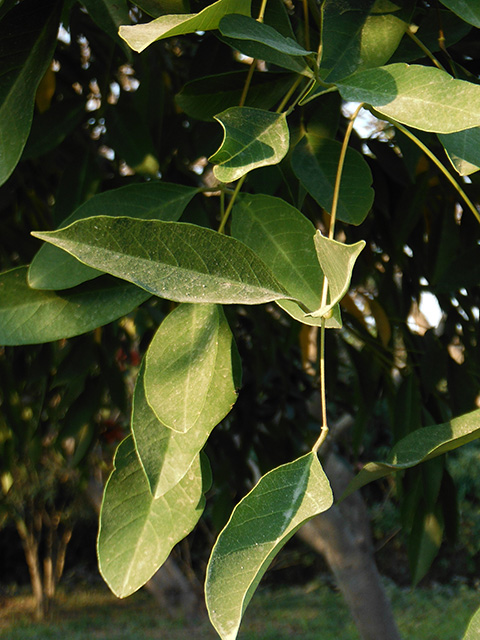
[
  {"x": 301, "y": 95},
  {"x": 289, "y": 94},
  {"x": 224, "y": 219},
  {"x": 248, "y": 80},
  {"x": 338, "y": 177},
  {"x": 307, "y": 25},
  {"x": 425, "y": 49},
  {"x": 442, "y": 168},
  {"x": 323, "y": 397},
  {"x": 262, "y": 11}
]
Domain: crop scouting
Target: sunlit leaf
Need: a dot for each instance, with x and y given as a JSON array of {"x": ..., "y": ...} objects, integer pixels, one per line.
[
  {"x": 468, "y": 10},
  {"x": 252, "y": 138},
  {"x": 30, "y": 316},
  {"x": 173, "y": 260},
  {"x": 137, "y": 531},
  {"x": 420, "y": 445},
  {"x": 258, "y": 528},
  {"x": 463, "y": 150},
  {"x": 53, "y": 268},
  {"x": 426, "y": 98},
  {"x": 140, "y": 36},
  {"x": 473, "y": 631}
]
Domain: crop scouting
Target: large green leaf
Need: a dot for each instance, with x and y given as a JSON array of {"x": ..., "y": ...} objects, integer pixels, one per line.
[
  {"x": 468, "y": 10},
  {"x": 181, "y": 374},
  {"x": 463, "y": 150},
  {"x": 420, "y": 445},
  {"x": 140, "y": 36},
  {"x": 360, "y": 34},
  {"x": 109, "y": 15},
  {"x": 52, "y": 268},
  {"x": 426, "y": 98},
  {"x": 206, "y": 97},
  {"x": 283, "y": 238},
  {"x": 173, "y": 260},
  {"x": 259, "y": 527},
  {"x": 27, "y": 41},
  {"x": 473, "y": 631},
  {"x": 252, "y": 138},
  {"x": 137, "y": 531},
  {"x": 166, "y": 455},
  {"x": 30, "y": 316},
  {"x": 314, "y": 161}
]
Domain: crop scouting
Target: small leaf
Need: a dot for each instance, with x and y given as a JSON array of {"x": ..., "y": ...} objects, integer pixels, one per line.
[
  {"x": 137, "y": 532},
  {"x": 166, "y": 455},
  {"x": 314, "y": 162},
  {"x": 140, "y": 36},
  {"x": 422, "y": 97},
  {"x": 283, "y": 238},
  {"x": 473, "y": 631},
  {"x": 258, "y": 528},
  {"x": 468, "y": 10},
  {"x": 420, "y": 445},
  {"x": 173, "y": 260},
  {"x": 181, "y": 366},
  {"x": 252, "y": 138},
  {"x": 463, "y": 150},
  {"x": 30, "y": 316}
]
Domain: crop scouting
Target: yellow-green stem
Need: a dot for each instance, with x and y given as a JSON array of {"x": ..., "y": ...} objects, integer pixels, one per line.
[
  {"x": 425, "y": 49},
  {"x": 226, "y": 215},
  {"x": 248, "y": 80},
  {"x": 262, "y": 11},
  {"x": 323, "y": 397},
  {"x": 307, "y": 25},
  {"x": 289, "y": 94}
]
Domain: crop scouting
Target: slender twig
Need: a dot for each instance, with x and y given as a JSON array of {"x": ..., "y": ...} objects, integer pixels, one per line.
[
  {"x": 425, "y": 49},
  {"x": 224, "y": 219},
  {"x": 323, "y": 397},
  {"x": 261, "y": 13},
  {"x": 289, "y": 94},
  {"x": 248, "y": 80},
  {"x": 307, "y": 24}
]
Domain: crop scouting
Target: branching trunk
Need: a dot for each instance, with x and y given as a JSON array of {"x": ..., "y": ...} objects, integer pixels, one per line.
[{"x": 30, "y": 547}]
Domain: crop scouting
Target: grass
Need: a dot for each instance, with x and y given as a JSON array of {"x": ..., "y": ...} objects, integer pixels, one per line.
[{"x": 309, "y": 613}]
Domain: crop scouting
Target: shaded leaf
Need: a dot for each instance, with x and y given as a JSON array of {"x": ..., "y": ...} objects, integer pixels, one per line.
[
  {"x": 424, "y": 542},
  {"x": 463, "y": 150},
  {"x": 468, "y": 10},
  {"x": 258, "y": 528},
  {"x": 174, "y": 260},
  {"x": 283, "y": 238},
  {"x": 420, "y": 445},
  {"x": 30, "y": 316},
  {"x": 166, "y": 455},
  {"x": 137, "y": 532},
  {"x": 27, "y": 41},
  {"x": 52, "y": 268},
  {"x": 252, "y": 138},
  {"x": 140, "y": 36},
  {"x": 109, "y": 15},
  {"x": 314, "y": 161},
  {"x": 473, "y": 631},
  {"x": 422, "y": 97}
]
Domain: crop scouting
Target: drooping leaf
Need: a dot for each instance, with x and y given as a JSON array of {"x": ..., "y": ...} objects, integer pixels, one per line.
[
  {"x": 360, "y": 35},
  {"x": 473, "y": 630},
  {"x": 140, "y": 36},
  {"x": 420, "y": 445},
  {"x": 205, "y": 97},
  {"x": 337, "y": 261},
  {"x": 314, "y": 162},
  {"x": 52, "y": 268},
  {"x": 166, "y": 455},
  {"x": 173, "y": 260},
  {"x": 27, "y": 41},
  {"x": 468, "y": 10},
  {"x": 30, "y": 316},
  {"x": 258, "y": 528},
  {"x": 463, "y": 150},
  {"x": 426, "y": 98},
  {"x": 137, "y": 531},
  {"x": 252, "y": 138},
  {"x": 424, "y": 542},
  {"x": 109, "y": 15},
  {"x": 283, "y": 238},
  {"x": 181, "y": 368}
]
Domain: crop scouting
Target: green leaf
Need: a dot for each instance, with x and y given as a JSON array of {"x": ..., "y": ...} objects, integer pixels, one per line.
[
  {"x": 314, "y": 161},
  {"x": 473, "y": 631},
  {"x": 137, "y": 532},
  {"x": 181, "y": 368},
  {"x": 258, "y": 528},
  {"x": 422, "y": 97},
  {"x": 109, "y": 15},
  {"x": 420, "y": 445},
  {"x": 30, "y": 316},
  {"x": 52, "y": 268},
  {"x": 463, "y": 150},
  {"x": 468, "y": 10},
  {"x": 204, "y": 98},
  {"x": 243, "y": 27},
  {"x": 425, "y": 541},
  {"x": 173, "y": 260},
  {"x": 27, "y": 41},
  {"x": 166, "y": 455},
  {"x": 252, "y": 138},
  {"x": 283, "y": 238},
  {"x": 140, "y": 36},
  {"x": 360, "y": 35},
  {"x": 337, "y": 261}
]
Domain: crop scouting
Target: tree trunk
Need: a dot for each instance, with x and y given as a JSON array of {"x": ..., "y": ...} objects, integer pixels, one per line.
[
  {"x": 30, "y": 549},
  {"x": 342, "y": 536}
]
